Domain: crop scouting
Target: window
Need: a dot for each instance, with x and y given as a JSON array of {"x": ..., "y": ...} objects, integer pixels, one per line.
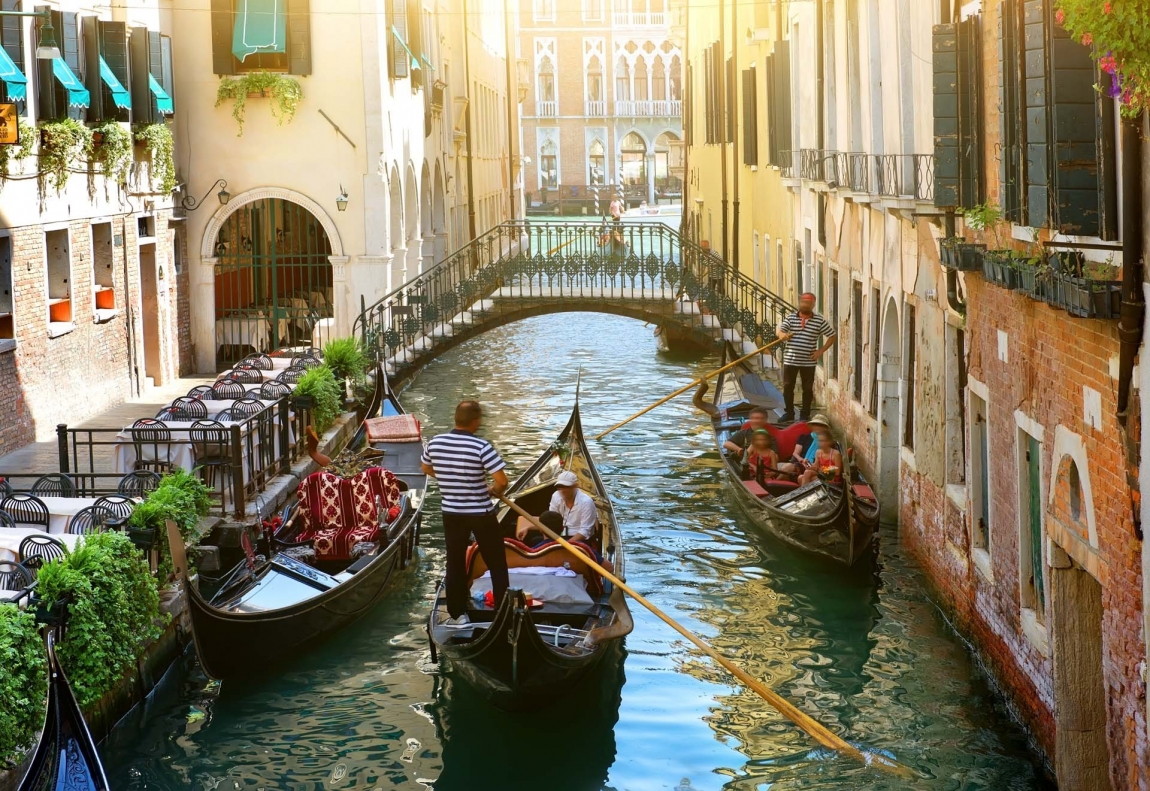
[
  {"x": 857, "y": 338},
  {"x": 275, "y": 35},
  {"x": 544, "y": 10},
  {"x": 756, "y": 263},
  {"x": 622, "y": 81},
  {"x": 548, "y": 165},
  {"x": 594, "y": 80},
  {"x": 1032, "y": 536},
  {"x": 59, "y": 273},
  {"x": 659, "y": 80},
  {"x": 545, "y": 81},
  {"x": 151, "y": 101},
  {"x": 641, "y": 81},
  {"x": 593, "y": 10},
  {"x": 779, "y": 277},
  {"x": 108, "y": 76},
  {"x": 910, "y": 374},
  {"x": 778, "y": 81},
  {"x": 875, "y": 308},
  {"x": 980, "y": 473},
  {"x": 834, "y": 350},
  {"x": 60, "y": 91},
  {"x": 7, "y": 303},
  {"x": 955, "y": 413},
  {"x": 750, "y": 119},
  {"x": 798, "y": 269},
  {"x": 103, "y": 280},
  {"x": 596, "y": 163},
  {"x": 12, "y": 42},
  {"x": 398, "y": 55},
  {"x": 1074, "y": 491}
]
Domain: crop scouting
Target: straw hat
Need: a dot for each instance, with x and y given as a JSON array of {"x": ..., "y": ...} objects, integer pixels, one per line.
[{"x": 819, "y": 420}]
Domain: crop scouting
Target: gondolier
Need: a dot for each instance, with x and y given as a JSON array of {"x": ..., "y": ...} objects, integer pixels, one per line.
[
  {"x": 461, "y": 462},
  {"x": 802, "y": 330}
]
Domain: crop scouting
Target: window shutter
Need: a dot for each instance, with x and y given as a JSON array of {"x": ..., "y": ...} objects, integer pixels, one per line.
[
  {"x": 47, "y": 108},
  {"x": 1076, "y": 120},
  {"x": 12, "y": 40},
  {"x": 750, "y": 119},
  {"x": 1011, "y": 126},
  {"x": 113, "y": 37},
  {"x": 946, "y": 168},
  {"x": 70, "y": 43},
  {"x": 90, "y": 32},
  {"x": 729, "y": 97},
  {"x": 1037, "y": 119},
  {"x": 688, "y": 110},
  {"x": 772, "y": 133},
  {"x": 143, "y": 104},
  {"x": 223, "y": 22},
  {"x": 399, "y": 60},
  {"x": 709, "y": 97},
  {"x": 299, "y": 36},
  {"x": 169, "y": 81},
  {"x": 782, "y": 86},
  {"x": 970, "y": 116}
]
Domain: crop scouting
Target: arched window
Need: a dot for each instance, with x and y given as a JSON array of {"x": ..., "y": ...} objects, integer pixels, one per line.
[
  {"x": 545, "y": 89},
  {"x": 594, "y": 80},
  {"x": 548, "y": 165},
  {"x": 1074, "y": 491},
  {"x": 641, "y": 92},
  {"x": 659, "y": 79},
  {"x": 668, "y": 155},
  {"x": 596, "y": 163},
  {"x": 622, "y": 81},
  {"x": 633, "y": 155},
  {"x": 676, "y": 80}
]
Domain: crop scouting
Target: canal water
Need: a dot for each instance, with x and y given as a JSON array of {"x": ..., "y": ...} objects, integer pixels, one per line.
[{"x": 870, "y": 657}]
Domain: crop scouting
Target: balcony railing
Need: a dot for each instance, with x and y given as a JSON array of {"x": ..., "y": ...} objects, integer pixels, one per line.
[
  {"x": 905, "y": 176},
  {"x": 649, "y": 107},
  {"x": 639, "y": 19},
  {"x": 546, "y": 109},
  {"x": 595, "y": 107}
]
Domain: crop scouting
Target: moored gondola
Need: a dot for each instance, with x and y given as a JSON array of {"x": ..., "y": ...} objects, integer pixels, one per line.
[
  {"x": 66, "y": 757},
  {"x": 834, "y": 521},
  {"x": 525, "y": 653},
  {"x": 348, "y": 537}
]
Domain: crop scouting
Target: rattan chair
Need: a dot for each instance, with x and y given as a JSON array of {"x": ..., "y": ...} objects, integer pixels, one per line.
[
  {"x": 202, "y": 392},
  {"x": 273, "y": 391},
  {"x": 150, "y": 434},
  {"x": 54, "y": 484},
  {"x": 120, "y": 506},
  {"x": 193, "y": 406},
  {"x": 138, "y": 483},
  {"x": 26, "y": 509},
  {"x": 38, "y": 549},
  {"x": 93, "y": 519},
  {"x": 228, "y": 390}
]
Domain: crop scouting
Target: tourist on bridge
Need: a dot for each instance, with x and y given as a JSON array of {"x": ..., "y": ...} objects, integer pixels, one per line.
[
  {"x": 461, "y": 462},
  {"x": 803, "y": 330}
]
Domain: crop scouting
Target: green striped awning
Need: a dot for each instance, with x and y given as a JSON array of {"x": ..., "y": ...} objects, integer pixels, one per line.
[
  {"x": 120, "y": 94},
  {"x": 402, "y": 43},
  {"x": 163, "y": 101},
  {"x": 78, "y": 95},
  {"x": 261, "y": 26},
  {"x": 14, "y": 78}
]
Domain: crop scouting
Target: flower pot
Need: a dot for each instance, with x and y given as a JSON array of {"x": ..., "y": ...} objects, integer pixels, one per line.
[
  {"x": 1106, "y": 299},
  {"x": 143, "y": 538},
  {"x": 970, "y": 257},
  {"x": 97, "y": 139},
  {"x": 60, "y": 310},
  {"x": 105, "y": 299},
  {"x": 50, "y": 613}
]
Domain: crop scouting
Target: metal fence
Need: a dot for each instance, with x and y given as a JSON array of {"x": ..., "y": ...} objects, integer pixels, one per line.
[{"x": 518, "y": 261}]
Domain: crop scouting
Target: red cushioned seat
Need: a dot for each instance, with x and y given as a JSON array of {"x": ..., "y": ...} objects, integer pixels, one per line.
[
  {"x": 552, "y": 553},
  {"x": 755, "y": 489},
  {"x": 338, "y": 513},
  {"x": 863, "y": 491},
  {"x": 785, "y": 438}
]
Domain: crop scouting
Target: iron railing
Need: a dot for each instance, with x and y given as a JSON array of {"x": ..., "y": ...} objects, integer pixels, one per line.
[
  {"x": 788, "y": 160},
  {"x": 525, "y": 263},
  {"x": 255, "y": 451},
  {"x": 905, "y": 176}
]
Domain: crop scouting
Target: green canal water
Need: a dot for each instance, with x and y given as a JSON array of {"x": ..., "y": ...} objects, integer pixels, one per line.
[{"x": 870, "y": 657}]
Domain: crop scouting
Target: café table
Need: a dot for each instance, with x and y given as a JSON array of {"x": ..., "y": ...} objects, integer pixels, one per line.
[
  {"x": 10, "y": 538},
  {"x": 62, "y": 509}
]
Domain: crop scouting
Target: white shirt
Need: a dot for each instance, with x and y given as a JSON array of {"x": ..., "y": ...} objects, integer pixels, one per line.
[{"x": 579, "y": 518}]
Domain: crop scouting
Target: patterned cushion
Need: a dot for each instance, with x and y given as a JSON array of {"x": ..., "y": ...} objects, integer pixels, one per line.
[
  {"x": 338, "y": 512},
  {"x": 396, "y": 428}
]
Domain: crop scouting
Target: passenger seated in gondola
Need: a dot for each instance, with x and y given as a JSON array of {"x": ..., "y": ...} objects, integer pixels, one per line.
[
  {"x": 575, "y": 508},
  {"x": 803, "y": 456},
  {"x": 738, "y": 442},
  {"x": 828, "y": 462},
  {"x": 762, "y": 460},
  {"x": 529, "y": 535}
]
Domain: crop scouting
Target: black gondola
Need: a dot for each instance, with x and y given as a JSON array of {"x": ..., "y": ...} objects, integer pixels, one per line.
[
  {"x": 830, "y": 520},
  {"x": 66, "y": 757},
  {"x": 269, "y": 613},
  {"x": 519, "y": 657}
]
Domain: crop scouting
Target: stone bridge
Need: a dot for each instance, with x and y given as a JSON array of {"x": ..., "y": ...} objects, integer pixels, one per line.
[{"x": 642, "y": 270}]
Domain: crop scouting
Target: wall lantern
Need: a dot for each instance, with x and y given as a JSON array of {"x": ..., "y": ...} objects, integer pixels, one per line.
[
  {"x": 191, "y": 204},
  {"x": 341, "y": 200},
  {"x": 47, "y": 49}
]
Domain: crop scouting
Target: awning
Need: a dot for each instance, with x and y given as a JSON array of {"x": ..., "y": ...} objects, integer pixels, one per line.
[
  {"x": 261, "y": 26},
  {"x": 120, "y": 94},
  {"x": 402, "y": 43},
  {"x": 14, "y": 78},
  {"x": 163, "y": 101},
  {"x": 78, "y": 95},
  {"x": 426, "y": 61}
]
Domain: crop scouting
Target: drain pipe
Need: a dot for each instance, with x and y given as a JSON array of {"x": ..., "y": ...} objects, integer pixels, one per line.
[{"x": 1133, "y": 305}]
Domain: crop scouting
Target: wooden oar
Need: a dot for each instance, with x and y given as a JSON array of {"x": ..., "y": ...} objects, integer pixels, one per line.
[
  {"x": 695, "y": 383},
  {"x": 815, "y": 729}
]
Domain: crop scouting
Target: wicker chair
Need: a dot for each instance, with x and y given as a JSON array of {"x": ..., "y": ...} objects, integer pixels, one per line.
[
  {"x": 228, "y": 390},
  {"x": 193, "y": 406},
  {"x": 150, "y": 434},
  {"x": 38, "y": 549},
  {"x": 26, "y": 509},
  {"x": 54, "y": 485},
  {"x": 291, "y": 375},
  {"x": 93, "y": 519},
  {"x": 247, "y": 375},
  {"x": 273, "y": 391},
  {"x": 202, "y": 392},
  {"x": 138, "y": 483},
  {"x": 213, "y": 458},
  {"x": 120, "y": 506},
  {"x": 250, "y": 407}
]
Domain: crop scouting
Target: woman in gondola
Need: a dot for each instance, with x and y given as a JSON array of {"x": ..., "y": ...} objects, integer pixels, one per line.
[
  {"x": 828, "y": 463},
  {"x": 762, "y": 463}
]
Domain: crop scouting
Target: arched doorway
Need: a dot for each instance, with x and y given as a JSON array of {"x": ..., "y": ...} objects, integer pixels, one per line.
[
  {"x": 633, "y": 170},
  {"x": 426, "y": 230},
  {"x": 889, "y": 392},
  {"x": 439, "y": 218},
  {"x": 273, "y": 279},
  {"x": 668, "y": 161}
]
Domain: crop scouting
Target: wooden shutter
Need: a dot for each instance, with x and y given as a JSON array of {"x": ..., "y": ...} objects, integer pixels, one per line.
[
  {"x": 223, "y": 24},
  {"x": 946, "y": 167},
  {"x": 1037, "y": 117},
  {"x": 709, "y": 97},
  {"x": 729, "y": 95},
  {"x": 1011, "y": 119},
  {"x": 750, "y": 119},
  {"x": 400, "y": 63},
  {"x": 299, "y": 36},
  {"x": 70, "y": 43},
  {"x": 688, "y": 109},
  {"x": 90, "y": 32},
  {"x": 47, "y": 106},
  {"x": 143, "y": 103},
  {"x": 12, "y": 40},
  {"x": 782, "y": 86},
  {"x": 970, "y": 116},
  {"x": 169, "y": 80},
  {"x": 1077, "y": 126},
  {"x": 772, "y": 133}
]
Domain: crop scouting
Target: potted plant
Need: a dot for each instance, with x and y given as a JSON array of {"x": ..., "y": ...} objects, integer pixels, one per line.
[
  {"x": 1097, "y": 294},
  {"x": 998, "y": 267},
  {"x": 957, "y": 253},
  {"x": 1034, "y": 276}
]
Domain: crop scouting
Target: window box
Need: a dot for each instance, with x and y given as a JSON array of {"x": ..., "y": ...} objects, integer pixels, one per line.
[
  {"x": 105, "y": 298},
  {"x": 1087, "y": 298},
  {"x": 962, "y": 256},
  {"x": 7, "y": 326},
  {"x": 998, "y": 268},
  {"x": 60, "y": 311}
]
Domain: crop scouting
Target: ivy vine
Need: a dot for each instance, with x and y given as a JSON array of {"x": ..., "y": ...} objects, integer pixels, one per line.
[
  {"x": 114, "y": 151},
  {"x": 157, "y": 138},
  {"x": 286, "y": 94},
  {"x": 19, "y": 152},
  {"x": 62, "y": 143},
  {"x": 1118, "y": 31}
]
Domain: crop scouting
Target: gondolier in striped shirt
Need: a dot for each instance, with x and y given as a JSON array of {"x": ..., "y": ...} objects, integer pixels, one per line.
[
  {"x": 803, "y": 330},
  {"x": 461, "y": 462}
]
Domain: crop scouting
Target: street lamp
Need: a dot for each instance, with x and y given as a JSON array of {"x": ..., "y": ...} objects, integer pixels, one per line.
[
  {"x": 191, "y": 204},
  {"x": 47, "y": 49},
  {"x": 341, "y": 200}
]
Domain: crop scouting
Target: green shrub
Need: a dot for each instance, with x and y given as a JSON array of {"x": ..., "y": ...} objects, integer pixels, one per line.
[
  {"x": 326, "y": 394},
  {"x": 346, "y": 359},
  {"x": 113, "y": 610},
  {"x": 23, "y": 681},
  {"x": 181, "y": 497}
]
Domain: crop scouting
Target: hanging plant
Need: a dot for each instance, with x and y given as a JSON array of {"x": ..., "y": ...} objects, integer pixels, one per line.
[
  {"x": 19, "y": 152},
  {"x": 285, "y": 92},
  {"x": 113, "y": 150},
  {"x": 61, "y": 144},
  {"x": 157, "y": 138},
  {"x": 1117, "y": 32}
]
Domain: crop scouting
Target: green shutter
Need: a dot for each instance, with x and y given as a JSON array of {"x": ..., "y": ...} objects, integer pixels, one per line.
[
  {"x": 1010, "y": 118},
  {"x": 970, "y": 116},
  {"x": 299, "y": 37},
  {"x": 947, "y": 171},
  {"x": 772, "y": 132},
  {"x": 90, "y": 32},
  {"x": 47, "y": 107},
  {"x": 750, "y": 118},
  {"x": 143, "y": 103},
  {"x": 223, "y": 22},
  {"x": 399, "y": 60},
  {"x": 1037, "y": 116}
]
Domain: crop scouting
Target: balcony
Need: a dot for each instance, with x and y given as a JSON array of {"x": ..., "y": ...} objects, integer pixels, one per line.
[
  {"x": 893, "y": 178},
  {"x": 669, "y": 108},
  {"x": 546, "y": 109},
  {"x": 639, "y": 19},
  {"x": 595, "y": 108}
]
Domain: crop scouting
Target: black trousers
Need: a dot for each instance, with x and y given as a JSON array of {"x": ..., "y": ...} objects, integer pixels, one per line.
[
  {"x": 457, "y": 530},
  {"x": 807, "y": 374}
]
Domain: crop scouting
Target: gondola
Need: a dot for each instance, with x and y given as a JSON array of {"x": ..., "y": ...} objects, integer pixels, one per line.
[
  {"x": 66, "y": 756},
  {"x": 832, "y": 521},
  {"x": 523, "y": 657},
  {"x": 312, "y": 584}
]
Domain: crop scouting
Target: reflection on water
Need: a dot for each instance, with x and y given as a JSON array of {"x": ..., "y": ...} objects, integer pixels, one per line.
[{"x": 869, "y": 657}]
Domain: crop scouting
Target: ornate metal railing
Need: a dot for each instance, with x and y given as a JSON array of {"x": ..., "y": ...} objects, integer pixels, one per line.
[
  {"x": 811, "y": 164},
  {"x": 492, "y": 278},
  {"x": 905, "y": 176}
]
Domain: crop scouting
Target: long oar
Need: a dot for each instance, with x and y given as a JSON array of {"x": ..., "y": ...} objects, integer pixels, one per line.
[
  {"x": 816, "y": 730},
  {"x": 695, "y": 383}
]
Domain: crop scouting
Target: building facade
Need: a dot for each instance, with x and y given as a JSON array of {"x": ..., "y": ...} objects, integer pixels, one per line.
[
  {"x": 957, "y": 217},
  {"x": 93, "y": 278},
  {"x": 399, "y": 150},
  {"x": 602, "y": 101}
]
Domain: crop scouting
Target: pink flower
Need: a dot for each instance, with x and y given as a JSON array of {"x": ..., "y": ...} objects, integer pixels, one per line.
[
  {"x": 1087, "y": 39},
  {"x": 1060, "y": 16},
  {"x": 1106, "y": 7},
  {"x": 1108, "y": 64}
]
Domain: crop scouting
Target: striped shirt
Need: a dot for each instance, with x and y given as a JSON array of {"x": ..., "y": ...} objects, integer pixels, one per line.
[
  {"x": 807, "y": 334},
  {"x": 462, "y": 462}
]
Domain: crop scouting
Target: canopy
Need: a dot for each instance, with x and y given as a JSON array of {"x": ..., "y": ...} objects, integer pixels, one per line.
[
  {"x": 261, "y": 26},
  {"x": 402, "y": 43},
  {"x": 120, "y": 94},
  {"x": 13, "y": 78},
  {"x": 163, "y": 101},
  {"x": 78, "y": 95}
]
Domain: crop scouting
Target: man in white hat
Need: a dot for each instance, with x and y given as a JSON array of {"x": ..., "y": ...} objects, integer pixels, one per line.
[{"x": 575, "y": 506}]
